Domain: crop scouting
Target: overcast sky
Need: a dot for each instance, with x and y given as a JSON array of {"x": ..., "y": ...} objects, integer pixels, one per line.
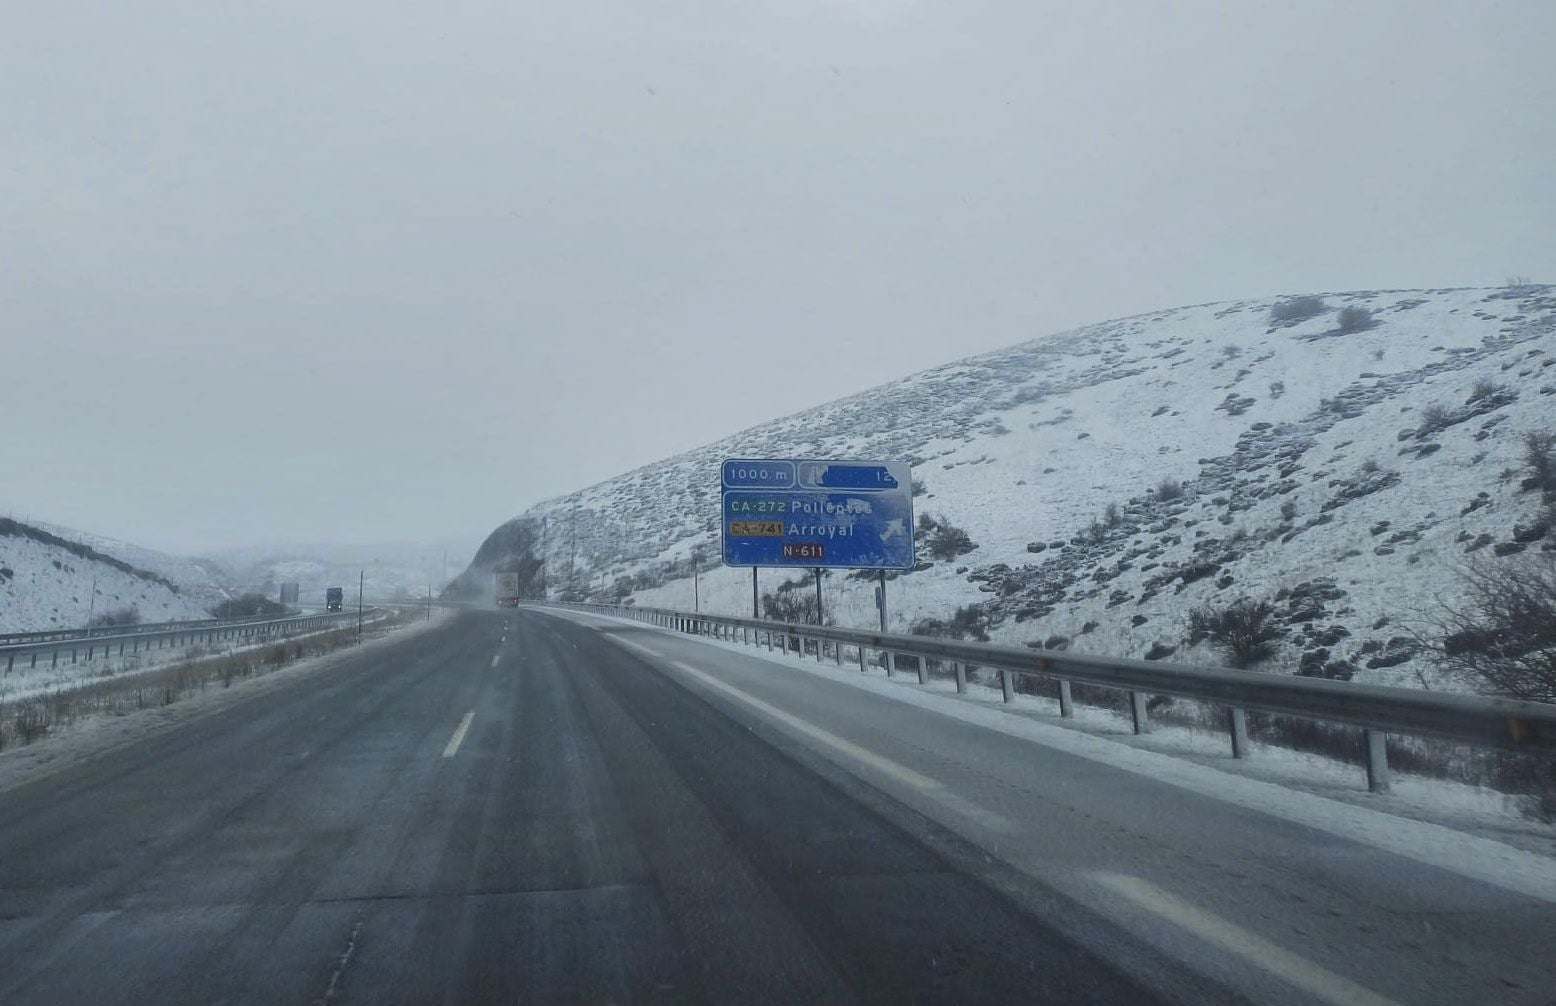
[{"x": 368, "y": 270}]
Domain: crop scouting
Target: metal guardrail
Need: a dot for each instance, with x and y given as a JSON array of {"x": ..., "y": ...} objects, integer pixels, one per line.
[
  {"x": 29, "y": 655},
  {"x": 1379, "y": 710},
  {"x": 140, "y": 628}
]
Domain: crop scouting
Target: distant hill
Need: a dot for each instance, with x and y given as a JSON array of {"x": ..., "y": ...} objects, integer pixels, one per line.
[
  {"x": 391, "y": 569},
  {"x": 47, "y": 575},
  {"x": 1340, "y": 455}
]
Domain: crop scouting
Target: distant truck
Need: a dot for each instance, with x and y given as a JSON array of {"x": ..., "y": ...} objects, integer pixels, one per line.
[
  {"x": 506, "y": 588},
  {"x": 334, "y": 598}
]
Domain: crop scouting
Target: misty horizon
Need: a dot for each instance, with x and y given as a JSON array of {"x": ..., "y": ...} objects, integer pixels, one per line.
[{"x": 361, "y": 274}]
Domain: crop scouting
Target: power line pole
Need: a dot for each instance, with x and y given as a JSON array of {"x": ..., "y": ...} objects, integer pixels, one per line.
[
  {"x": 361, "y": 579},
  {"x": 819, "y": 620}
]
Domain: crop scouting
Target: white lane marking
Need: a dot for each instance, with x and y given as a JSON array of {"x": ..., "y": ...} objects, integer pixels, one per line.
[
  {"x": 852, "y": 750},
  {"x": 849, "y": 748},
  {"x": 459, "y": 735},
  {"x": 496, "y": 658},
  {"x": 1254, "y": 949},
  {"x": 933, "y": 789}
]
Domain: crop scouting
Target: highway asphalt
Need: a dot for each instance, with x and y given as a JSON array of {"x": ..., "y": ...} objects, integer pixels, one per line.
[{"x": 518, "y": 806}]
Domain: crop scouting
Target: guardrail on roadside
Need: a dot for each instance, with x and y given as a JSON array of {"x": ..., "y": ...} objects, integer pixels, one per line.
[
  {"x": 139, "y": 628},
  {"x": 29, "y": 655},
  {"x": 1379, "y": 710}
]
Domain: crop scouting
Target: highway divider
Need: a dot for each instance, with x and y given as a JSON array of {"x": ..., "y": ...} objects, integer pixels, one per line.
[{"x": 133, "y": 640}]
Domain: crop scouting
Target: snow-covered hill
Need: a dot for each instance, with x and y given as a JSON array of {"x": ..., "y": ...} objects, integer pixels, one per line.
[
  {"x": 47, "y": 575},
  {"x": 1342, "y": 464}
]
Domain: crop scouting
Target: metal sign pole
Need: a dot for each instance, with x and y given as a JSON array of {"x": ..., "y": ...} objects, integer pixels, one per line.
[
  {"x": 819, "y": 619},
  {"x": 881, "y": 601},
  {"x": 756, "y": 607}
]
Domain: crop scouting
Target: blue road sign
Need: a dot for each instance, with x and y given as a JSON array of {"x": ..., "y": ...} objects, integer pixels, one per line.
[{"x": 837, "y": 514}]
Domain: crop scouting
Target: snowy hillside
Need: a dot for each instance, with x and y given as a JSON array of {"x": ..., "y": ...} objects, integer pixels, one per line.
[
  {"x": 1343, "y": 465},
  {"x": 198, "y": 581},
  {"x": 47, "y": 575}
]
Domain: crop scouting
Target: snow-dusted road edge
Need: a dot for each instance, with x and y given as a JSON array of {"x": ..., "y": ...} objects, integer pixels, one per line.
[
  {"x": 1394, "y": 825},
  {"x": 98, "y": 736}
]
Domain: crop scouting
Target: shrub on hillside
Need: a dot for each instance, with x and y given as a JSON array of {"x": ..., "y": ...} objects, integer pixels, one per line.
[
  {"x": 793, "y": 601},
  {"x": 127, "y": 615},
  {"x": 1289, "y": 312},
  {"x": 1502, "y": 636},
  {"x": 967, "y": 623},
  {"x": 1485, "y": 387},
  {"x": 1540, "y": 459},
  {"x": 1245, "y": 630},
  {"x": 1354, "y": 319},
  {"x": 1169, "y": 489},
  {"x": 1435, "y": 417},
  {"x": 942, "y": 540},
  {"x": 1501, "y": 639},
  {"x": 248, "y": 606}
]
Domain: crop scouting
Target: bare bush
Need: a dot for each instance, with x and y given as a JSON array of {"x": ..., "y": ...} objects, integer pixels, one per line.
[
  {"x": 1244, "y": 630},
  {"x": 794, "y": 601},
  {"x": 1485, "y": 387},
  {"x": 967, "y": 623},
  {"x": 1354, "y": 319},
  {"x": 1540, "y": 459},
  {"x": 1502, "y": 636},
  {"x": 249, "y": 605},
  {"x": 941, "y": 539},
  {"x": 1295, "y": 309},
  {"x": 1169, "y": 489},
  {"x": 127, "y": 615},
  {"x": 1435, "y": 417},
  {"x": 32, "y": 721}
]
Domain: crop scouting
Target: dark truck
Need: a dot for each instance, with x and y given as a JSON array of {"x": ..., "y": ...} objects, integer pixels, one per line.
[{"x": 334, "y": 598}]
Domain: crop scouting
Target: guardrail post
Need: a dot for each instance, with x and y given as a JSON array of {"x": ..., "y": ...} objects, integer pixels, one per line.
[
  {"x": 1066, "y": 704},
  {"x": 923, "y": 670},
  {"x": 769, "y": 640},
  {"x": 1137, "y": 713},
  {"x": 821, "y": 646},
  {"x": 55, "y": 662},
  {"x": 861, "y": 658},
  {"x": 72, "y": 654},
  {"x": 1007, "y": 685},
  {"x": 10, "y": 662},
  {"x": 1237, "y": 721},
  {"x": 1377, "y": 762},
  {"x": 960, "y": 670},
  {"x": 837, "y": 654},
  {"x": 891, "y": 663}
]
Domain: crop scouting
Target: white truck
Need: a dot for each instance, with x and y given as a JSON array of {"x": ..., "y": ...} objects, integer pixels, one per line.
[{"x": 506, "y": 588}]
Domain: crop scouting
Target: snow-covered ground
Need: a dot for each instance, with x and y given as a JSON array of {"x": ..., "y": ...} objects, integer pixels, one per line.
[
  {"x": 48, "y": 586},
  {"x": 1310, "y": 478}
]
